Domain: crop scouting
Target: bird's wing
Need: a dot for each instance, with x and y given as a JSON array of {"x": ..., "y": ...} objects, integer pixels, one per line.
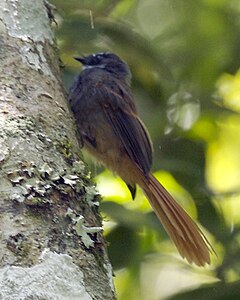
[{"x": 118, "y": 106}]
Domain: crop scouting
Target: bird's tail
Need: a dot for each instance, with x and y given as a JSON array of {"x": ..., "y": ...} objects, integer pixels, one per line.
[{"x": 184, "y": 232}]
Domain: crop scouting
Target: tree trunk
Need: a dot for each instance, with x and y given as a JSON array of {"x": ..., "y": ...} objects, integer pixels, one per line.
[{"x": 51, "y": 244}]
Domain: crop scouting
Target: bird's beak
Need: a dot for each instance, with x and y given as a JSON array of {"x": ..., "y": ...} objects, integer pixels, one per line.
[{"x": 80, "y": 59}]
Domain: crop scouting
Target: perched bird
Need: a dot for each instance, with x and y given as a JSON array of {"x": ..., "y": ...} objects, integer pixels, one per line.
[{"x": 111, "y": 130}]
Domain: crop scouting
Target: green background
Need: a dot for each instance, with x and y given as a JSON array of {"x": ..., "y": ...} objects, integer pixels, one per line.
[{"x": 184, "y": 58}]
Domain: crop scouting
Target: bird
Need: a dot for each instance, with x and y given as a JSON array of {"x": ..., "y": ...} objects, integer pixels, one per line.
[{"x": 111, "y": 130}]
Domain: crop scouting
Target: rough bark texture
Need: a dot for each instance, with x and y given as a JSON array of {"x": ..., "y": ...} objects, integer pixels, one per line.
[{"x": 47, "y": 200}]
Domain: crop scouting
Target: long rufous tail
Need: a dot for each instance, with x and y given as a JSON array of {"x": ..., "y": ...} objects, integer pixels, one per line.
[{"x": 187, "y": 236}]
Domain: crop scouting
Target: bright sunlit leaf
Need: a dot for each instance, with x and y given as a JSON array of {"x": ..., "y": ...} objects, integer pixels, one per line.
[
  {"x": 229, "y": 89},
  {"x": 114, "y": 189},
  {"x": 111, "y": 186},
  {"x": 223, "y": 157},
  {"x": 230, "y": 207}
]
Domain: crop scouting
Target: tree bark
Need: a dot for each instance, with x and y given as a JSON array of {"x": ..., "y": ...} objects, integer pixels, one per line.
[{"x": 51, "y": 243}]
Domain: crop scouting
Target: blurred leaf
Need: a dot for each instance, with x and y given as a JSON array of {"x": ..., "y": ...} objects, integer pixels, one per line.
[
  {"x": 185, "y": 159},
  {"x": 223, "y": 156},
  {"x": 229, "y": 89},
  {"x": 123, "y": 247},
  {"x": 209, "y": 216},
  {"x": 217, "y": 291},
  {"x": 130, "y": 218}
]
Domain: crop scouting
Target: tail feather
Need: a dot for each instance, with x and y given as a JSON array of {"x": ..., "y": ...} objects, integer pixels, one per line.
[{"x": 187, "y": 236}]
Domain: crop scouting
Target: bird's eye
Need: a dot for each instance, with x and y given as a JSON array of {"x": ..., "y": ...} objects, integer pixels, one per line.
[
  {"x": 99, "y": 57},
  {"x": 96, "y": 60}
]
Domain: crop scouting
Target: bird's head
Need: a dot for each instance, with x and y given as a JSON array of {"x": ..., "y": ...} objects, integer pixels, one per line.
[{"x": 107, "y": 61}]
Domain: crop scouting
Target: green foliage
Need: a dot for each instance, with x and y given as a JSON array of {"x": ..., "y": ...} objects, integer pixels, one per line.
[
  {"x": 218, "y": 291},
  {"x": 184, "y": 58}
]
